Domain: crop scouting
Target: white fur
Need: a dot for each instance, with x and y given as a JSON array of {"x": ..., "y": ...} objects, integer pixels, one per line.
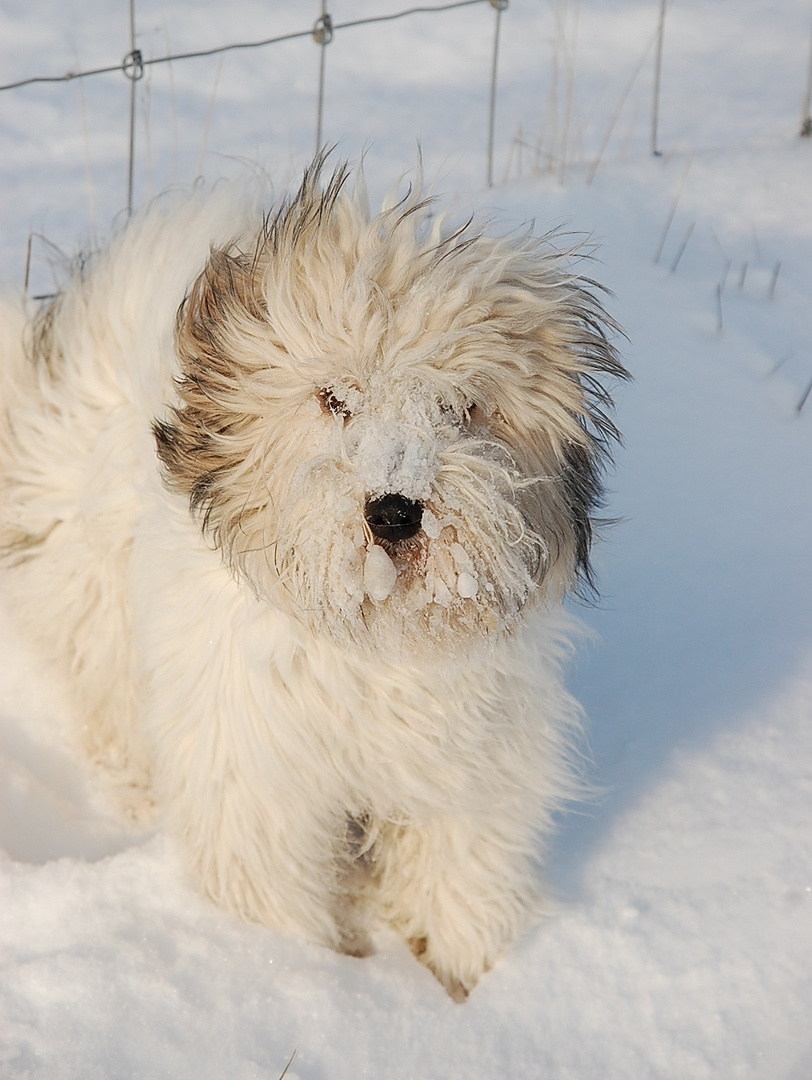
[{"x": 337, "y": 735}]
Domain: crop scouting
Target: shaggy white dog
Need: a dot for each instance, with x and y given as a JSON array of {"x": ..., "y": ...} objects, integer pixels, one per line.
[{"x": 295, "y": 500}]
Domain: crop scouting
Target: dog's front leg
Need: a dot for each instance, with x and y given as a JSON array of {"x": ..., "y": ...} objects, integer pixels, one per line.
[
  {"x": 459, "y": 893},
  {"x": 235, "y": 773},
  {"x": 260, "y": 850},
  {"x": 258, "y": 828}
]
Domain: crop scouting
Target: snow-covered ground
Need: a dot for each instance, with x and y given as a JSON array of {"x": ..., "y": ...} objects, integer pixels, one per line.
[{"x": 683, "y": 947}]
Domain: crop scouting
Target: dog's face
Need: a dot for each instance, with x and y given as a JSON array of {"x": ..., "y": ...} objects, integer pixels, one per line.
[{"x": 391, "y": 428}]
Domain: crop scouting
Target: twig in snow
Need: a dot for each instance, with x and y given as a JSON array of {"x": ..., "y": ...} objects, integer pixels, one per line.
[
  {"x": 682, "y": 246},
  {"x": 209, "y": 113},
  {"x": 284, "y": 1072},
  {"x": 88, "y": 164},
  {"x": 673, "y": 209},
  {"x": 774, "y": 280},
  {"x": 804, "y": 396},
  {"x": 569, "y": 96},
  {"x": 777, "y": 366},
  {"x": 27, "y": 263},
  {"x": 723, "y": 281},
  {"x": 615, "y": 115}
]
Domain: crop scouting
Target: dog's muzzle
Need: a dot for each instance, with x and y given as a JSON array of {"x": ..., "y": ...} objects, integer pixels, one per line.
[{"x": 393, "y": 517}]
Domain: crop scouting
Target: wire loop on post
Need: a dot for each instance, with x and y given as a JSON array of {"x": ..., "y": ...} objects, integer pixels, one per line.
[
  {"x": 323, "y": 30},
  {"x": 499, "y": 5},
  {"x": 133, "y": 65}
]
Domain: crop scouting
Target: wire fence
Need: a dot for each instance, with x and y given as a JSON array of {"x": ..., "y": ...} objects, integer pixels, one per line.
[
  {"x": 554, "y": 149},
  {"x": 134, "y": 64},
  {"x": 323, "y": 31}
]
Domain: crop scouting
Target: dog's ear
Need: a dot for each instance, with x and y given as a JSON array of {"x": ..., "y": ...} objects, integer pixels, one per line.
[
  {"x": 555, "y": 408},
  {"x": 219, "y": 328},
  {"x": 582, "y": 484},
  {"x": 227, "y": 343},
  {"x": 586, "y": 334}
]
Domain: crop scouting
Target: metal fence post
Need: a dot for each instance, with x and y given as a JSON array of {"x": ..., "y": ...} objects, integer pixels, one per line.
[
  {"x": 322, "y": 35},
  {"x": 806, "y": 118},
  {"x": 133, "y": 68},
  {"x": 499, "y": 6},
  {"x": 658, "y": 65}
]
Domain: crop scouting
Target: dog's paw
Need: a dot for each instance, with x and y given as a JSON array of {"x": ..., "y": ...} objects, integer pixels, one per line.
[
  {"x": 131, "y": 801},
  {"x": 456, "y": 990},
  {"x": 355, "y": 941},
  {"x": 456, "y": 987},
  {"x": 126, "y": 791}
]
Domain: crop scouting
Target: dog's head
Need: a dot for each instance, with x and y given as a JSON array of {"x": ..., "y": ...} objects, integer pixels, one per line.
[{"x": 391, "y": 426}]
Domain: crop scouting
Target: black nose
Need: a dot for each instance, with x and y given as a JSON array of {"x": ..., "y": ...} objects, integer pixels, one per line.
[{"x": 393, "y": 517}]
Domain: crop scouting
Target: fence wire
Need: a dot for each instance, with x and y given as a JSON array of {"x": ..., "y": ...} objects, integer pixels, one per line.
[
  {"x": 313, "y": 32},
  {"x": 322, "y": 32}
]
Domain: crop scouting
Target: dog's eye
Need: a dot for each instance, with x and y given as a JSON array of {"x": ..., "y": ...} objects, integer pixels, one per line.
[
  {"x": 332, "y": 404},
  {"x": 459, "y": 412}
]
